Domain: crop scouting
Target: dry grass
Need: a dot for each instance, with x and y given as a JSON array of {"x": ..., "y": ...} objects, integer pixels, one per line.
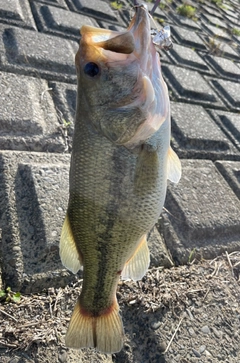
[{"x": 43, "y": 318}]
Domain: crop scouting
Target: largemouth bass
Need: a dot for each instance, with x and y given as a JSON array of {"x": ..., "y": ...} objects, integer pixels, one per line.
[{"x": 121, "y": 159}]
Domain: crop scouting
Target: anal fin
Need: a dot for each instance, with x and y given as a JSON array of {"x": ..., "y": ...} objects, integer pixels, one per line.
[
  {"x": 69, "y": 254},
  {"x": 136, "y": 267},
  {"x": 103, "y": 332}
]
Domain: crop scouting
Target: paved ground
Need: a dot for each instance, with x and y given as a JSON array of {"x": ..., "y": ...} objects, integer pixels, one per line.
[{"x": 37, "y": 104}]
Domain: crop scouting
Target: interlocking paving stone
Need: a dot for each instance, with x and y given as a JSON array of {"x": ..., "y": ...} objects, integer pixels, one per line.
[
  {"x": 190, "y": 86},
  {"x": 222, "y": 49},
  {"x": 159, "y": 255},
  {"x": 34, "y": 126},
  {"x": 225, "y": 67},
  {"x": 16, "y": 12},
  {"x": 218, "y": 22},
  {"x": 199, "y": 218},
  {"x": 64, "y": 97},
  {"x": 186, "y": 37},
  {"x": 34, "y": 203},
  {"x": 34, "y": 53},
  {"x": 110, "y": 26},
  {"x": 97, "y": 8},
  {"x": 231, "y": 12},
  {"x": 229, "y": 91},
  {"x": 237, "y": 37},
  {"x": 217, "y": 32},
  {"x": 211, "y": 11},
  {"x": 233, "y": 20},
  {"x": 182, "y": 20},
  {"x": 60, "y": 21},
  {"x": 58, "y": 3},
  {"x": 196, "y": 135},
  {"x": 158, "y": 13},
  {"x": 231, "y": 172},
  {"x": 188, "y": 57},
  {"x": 230, "y": 123}
]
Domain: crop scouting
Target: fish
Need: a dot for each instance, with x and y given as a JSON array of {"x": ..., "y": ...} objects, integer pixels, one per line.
[{"x": 121, "y": 160}]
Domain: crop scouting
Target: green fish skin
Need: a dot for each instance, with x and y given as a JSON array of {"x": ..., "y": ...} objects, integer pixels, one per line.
[{"x": 121, "y": 160}]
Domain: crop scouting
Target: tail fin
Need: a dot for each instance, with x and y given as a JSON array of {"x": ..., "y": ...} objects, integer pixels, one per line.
[{"x": 104, "y": 332}]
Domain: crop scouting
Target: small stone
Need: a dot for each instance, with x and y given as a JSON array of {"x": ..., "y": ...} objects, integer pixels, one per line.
[
  {"x": 162, "y": 346},
  {"x": 62, "y": 357},
  {"x": 217, "y": 333},
  {"x": 196, "y": 353},
  {"x": 155, "y": 325},
  {"x": 208, "y": 354},
  {"x": 190, "y": 314},
  {"x": 205, "y": 329},
  {"x": 202, "y": 349},
  {"x": 191, "y": 331}
]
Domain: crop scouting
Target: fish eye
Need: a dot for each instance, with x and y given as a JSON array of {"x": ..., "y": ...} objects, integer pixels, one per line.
[{"x": 91, "y": 69}]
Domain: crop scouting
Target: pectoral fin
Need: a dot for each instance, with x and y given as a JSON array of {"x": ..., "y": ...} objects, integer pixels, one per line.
[
  {"x": 68, "y": 252},
  {"x": 136, "y": 267},
  {"x": 174, "y": 169}
]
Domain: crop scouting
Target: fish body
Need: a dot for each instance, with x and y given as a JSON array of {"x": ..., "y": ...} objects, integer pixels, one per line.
[{"x": 121, "y": 159}]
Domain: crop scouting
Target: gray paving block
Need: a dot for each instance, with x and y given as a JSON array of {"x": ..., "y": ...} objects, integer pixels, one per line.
[
  {"x": 190, "y": 86},
  {"x": 37, "y": 54},
  {"x": 33, "y": 204},
  {"x": 211, "y": 11},
  {"x": 206, "y": 214},
  {"x": 58, "y": 3},
  {"x": 232, "y": 20},
  {"x": 158, "y": 13},
  {"x": 96, "y": 8},
  {"x": 224, "y": 67},
  {"x": 187, "y": 57},
  {"x": 230, "y": 11},
  {"x": 51, "y": 19},
  {"x": 230, "y": 123},
  {"x": 16, "y": 12},
  {"x": 159, "y": 255},
  {"x": 64, "y": 97},
  {"x": 228, "y": 91},
  {"x": 106, "y": 25},
  {"x": 196, "y": 135},
  {"x": 188, "y": 37},
  {"x": 184, "y": 21},
  {"x": 217, "y": 32},
  {"x": 221, "y": 48},
  {"x": 215, "y": 21},
  {"x": 231, "y": 172},
  {"x": 236, "y": 38},
  {"x": 28, "y": 120}
]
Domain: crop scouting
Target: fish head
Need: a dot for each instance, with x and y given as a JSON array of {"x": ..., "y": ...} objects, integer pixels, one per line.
[{"x": 120, "y": 87}]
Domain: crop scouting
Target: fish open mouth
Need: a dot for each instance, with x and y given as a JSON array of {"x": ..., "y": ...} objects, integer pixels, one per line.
[
  {"x": 147, "y": 95},
  {"x": 137, "y": 39}
]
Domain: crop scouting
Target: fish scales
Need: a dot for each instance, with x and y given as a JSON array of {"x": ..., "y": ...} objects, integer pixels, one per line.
[
  {"x": 121, "y": 159},
  {"x": 104, "y": 178}
]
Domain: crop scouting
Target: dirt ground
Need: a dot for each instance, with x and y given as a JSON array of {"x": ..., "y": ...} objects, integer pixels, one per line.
[{"x": 183, "y": 314}]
